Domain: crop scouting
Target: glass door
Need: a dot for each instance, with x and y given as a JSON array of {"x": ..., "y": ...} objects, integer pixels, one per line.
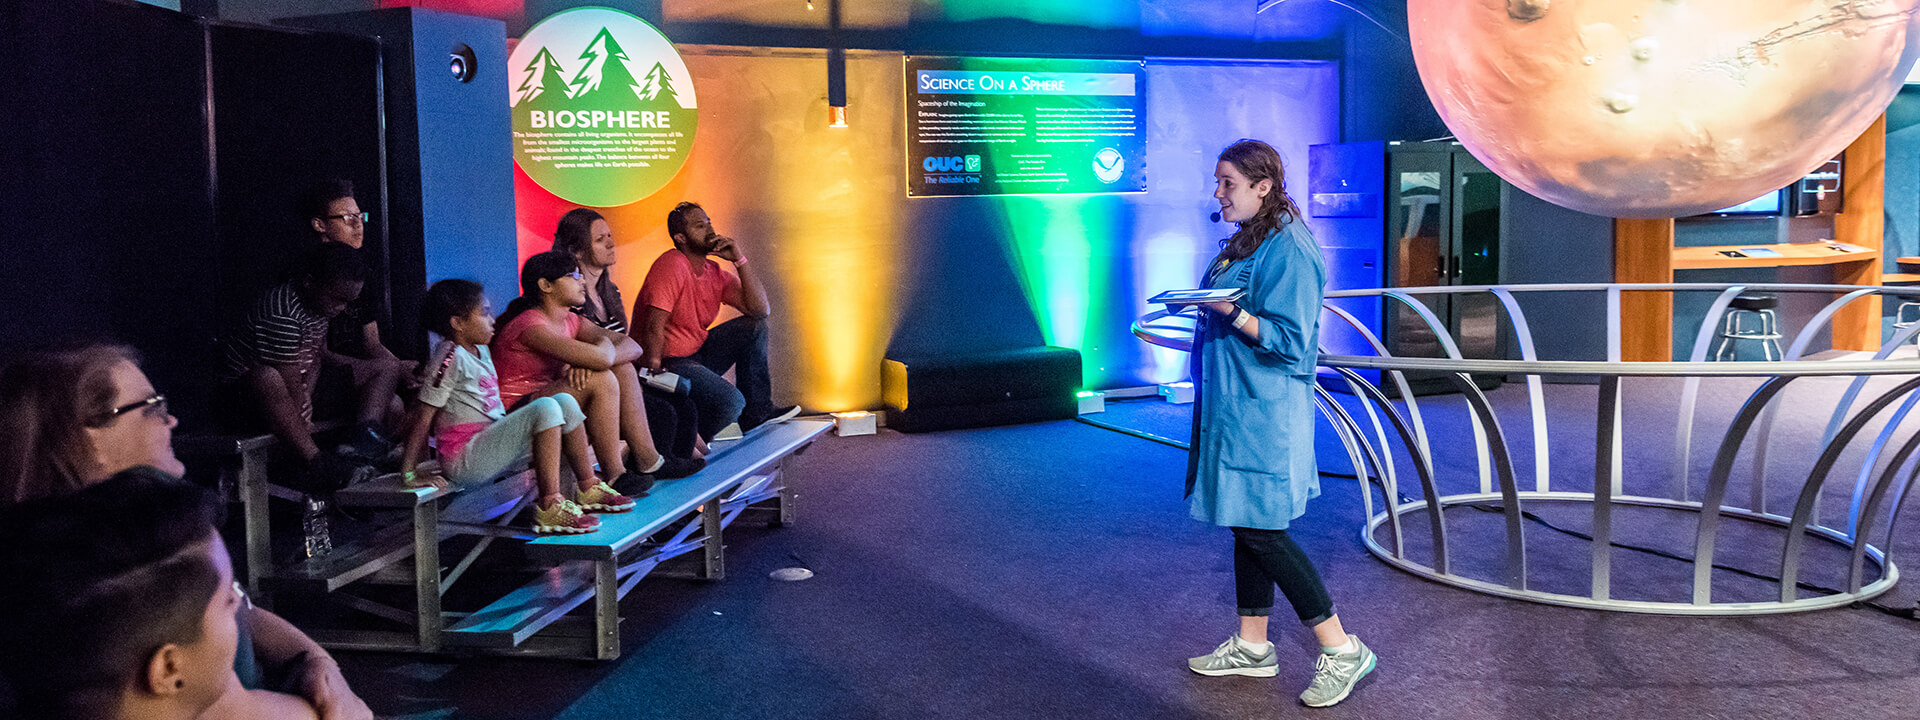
[
  {"x": 1417, "y": 255},
  {"x": 1476, "y": 261}
]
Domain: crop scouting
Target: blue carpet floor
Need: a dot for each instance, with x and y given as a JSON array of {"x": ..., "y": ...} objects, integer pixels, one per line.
[{"x": 1050, "y": 571}]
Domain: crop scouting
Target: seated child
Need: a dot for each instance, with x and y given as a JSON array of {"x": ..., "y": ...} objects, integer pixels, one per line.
[
  {"x": 274, "y": 359},
  {"x": 478, "y": 439},
  {"x": 544, "y": 348}
]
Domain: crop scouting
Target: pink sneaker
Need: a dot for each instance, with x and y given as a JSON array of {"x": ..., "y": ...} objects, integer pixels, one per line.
[
  {"x": 601, "y": 498},
  {"x": 564, "y": 518}
]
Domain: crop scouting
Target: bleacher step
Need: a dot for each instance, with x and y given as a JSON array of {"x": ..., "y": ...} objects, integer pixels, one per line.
[
  {"x": 671, "y": 500},
  {"x": 347, "y": 564},
  {"x": 509, "y": 621}
]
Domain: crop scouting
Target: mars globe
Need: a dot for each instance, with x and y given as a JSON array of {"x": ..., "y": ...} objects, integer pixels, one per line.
[{"x": 1660, "y": 108}]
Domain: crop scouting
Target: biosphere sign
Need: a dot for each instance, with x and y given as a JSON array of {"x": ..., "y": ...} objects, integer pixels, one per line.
[{"x": 603, "y": 107}]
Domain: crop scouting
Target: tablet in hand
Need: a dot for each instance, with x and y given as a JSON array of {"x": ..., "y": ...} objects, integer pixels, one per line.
[{"x": 1194, "y": 297}]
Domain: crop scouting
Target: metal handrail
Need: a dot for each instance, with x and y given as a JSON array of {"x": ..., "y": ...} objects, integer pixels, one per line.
[
  {"x": 1877, "y": 490},
  {"x": 1742, "y": 368},
  {"x": 1626, "y": 287}
]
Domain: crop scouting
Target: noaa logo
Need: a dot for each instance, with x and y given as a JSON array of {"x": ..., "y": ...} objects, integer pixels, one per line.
[{"x": 1108, "y": 164}]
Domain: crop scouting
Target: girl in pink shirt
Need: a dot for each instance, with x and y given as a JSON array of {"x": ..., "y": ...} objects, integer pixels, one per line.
[{"x": 543, "y": 348}]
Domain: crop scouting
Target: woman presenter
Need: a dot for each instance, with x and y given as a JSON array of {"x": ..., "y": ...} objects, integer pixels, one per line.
[{"x": 1252, "y": 468}]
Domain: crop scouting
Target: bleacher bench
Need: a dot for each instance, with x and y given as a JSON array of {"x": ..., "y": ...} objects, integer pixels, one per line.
[
  {"x": 436, "y": 514},
  {"x": 604, "y": 565},
  {"x": 248, "y": 485},
  {"x": 601, "y": 566}
]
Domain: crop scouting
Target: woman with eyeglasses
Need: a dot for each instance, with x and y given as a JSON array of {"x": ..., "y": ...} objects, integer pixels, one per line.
[{"x": 72, "y": 418}]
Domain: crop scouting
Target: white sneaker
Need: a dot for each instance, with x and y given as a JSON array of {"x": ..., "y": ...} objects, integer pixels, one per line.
[
  {"x": 773, "y": 416},
  {"x": 730, "y": 432},
  {"x": 1335, "y": 675},
  {"x": 1231, "y": 659}
]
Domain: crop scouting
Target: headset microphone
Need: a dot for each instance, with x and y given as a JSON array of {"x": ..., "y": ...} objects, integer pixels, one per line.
[{"x": 1214, "y": 216}]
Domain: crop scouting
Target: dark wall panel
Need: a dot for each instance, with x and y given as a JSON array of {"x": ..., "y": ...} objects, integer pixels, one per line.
[
  {"x": 1544, "y": 243},
  {"x": 108, "y": 212},
  {"x": 1903, "y": 177},
  {"x": 291, "y": 108}
]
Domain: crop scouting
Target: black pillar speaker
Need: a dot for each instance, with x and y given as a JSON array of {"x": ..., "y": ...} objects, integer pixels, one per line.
[
  {"x": 836, "y": 58},
  {"x": 449, "y": 156},
  {"x": 943, "y": 392}
]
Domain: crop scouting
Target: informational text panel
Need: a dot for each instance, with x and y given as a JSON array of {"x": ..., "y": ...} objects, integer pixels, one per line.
[{"x": 1005, "y": 126}]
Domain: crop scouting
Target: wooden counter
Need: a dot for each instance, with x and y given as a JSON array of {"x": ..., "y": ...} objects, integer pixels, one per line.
[
  {"x": 1643, "y": 252},
  {"x": 1813, "y": 253}
]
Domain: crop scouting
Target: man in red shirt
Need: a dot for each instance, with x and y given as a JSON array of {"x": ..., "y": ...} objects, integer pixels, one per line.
[{"x": 681, "y": 297}]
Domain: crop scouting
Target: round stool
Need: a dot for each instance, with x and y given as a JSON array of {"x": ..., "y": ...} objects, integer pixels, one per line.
[
  {"x": 1757, "y": 309},
  {"x": 1905, "y": 316}
]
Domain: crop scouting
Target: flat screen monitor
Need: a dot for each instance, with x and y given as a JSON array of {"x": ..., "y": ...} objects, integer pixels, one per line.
[
  {"x": 1768, "y": 204},
  {"x": 1010, "y": 126}
]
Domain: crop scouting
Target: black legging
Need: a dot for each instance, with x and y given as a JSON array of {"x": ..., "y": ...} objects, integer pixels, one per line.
[
  {"x": 1265, "y": 558},
  {"x": 672, "y": 420}
]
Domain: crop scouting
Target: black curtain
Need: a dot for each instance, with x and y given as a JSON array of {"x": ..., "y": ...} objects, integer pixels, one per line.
[{"x": 152, "y": 160}]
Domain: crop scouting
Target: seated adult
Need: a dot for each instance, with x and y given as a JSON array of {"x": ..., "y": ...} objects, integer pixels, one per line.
[
  {"x": 72, "y": 418},
  {"x": 542, "y": 348},
  {"x": 273, "y": 360},
  {"x": 120, "y": 604},
  {"x": 355, "y": 361},
  {"x": 671, "y": 416},
  {"x": 681, "y": 297}
]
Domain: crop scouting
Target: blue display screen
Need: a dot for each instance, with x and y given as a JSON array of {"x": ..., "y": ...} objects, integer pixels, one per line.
[{"x": 1768, "y": 204}]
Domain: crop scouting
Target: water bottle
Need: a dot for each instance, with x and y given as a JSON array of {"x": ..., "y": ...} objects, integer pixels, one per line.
[{"x": 314, "y": 522}]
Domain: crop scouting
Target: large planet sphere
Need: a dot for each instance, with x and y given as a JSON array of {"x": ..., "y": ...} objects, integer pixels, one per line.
[{"x": 1660, "y": 108}]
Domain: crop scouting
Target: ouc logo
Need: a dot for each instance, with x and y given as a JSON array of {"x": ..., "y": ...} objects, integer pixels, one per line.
[{"x": 956, "y": 163}]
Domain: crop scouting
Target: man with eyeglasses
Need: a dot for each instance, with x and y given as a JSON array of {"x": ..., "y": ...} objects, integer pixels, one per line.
[{"x": 354, "y": 354}]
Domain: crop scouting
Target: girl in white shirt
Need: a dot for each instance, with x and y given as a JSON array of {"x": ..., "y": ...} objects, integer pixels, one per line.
[{"x": 478, "y": 440}]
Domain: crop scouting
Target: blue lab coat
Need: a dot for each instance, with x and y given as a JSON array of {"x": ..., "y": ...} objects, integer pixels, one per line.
[{"x": 1252, "y": 461}]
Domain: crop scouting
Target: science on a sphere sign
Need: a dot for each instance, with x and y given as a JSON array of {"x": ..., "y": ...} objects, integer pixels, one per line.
[
  {"x": 603, "y": 107},
  {"x": 1005, "y": 126}
]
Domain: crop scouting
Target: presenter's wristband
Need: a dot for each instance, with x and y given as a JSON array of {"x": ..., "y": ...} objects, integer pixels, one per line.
[
  {"x": 1241, "y": 318},
  {"x": 741, "y": 261}
]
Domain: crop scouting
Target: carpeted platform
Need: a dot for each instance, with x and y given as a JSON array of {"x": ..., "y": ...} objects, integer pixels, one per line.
[{"x": 1049, "y": 571}]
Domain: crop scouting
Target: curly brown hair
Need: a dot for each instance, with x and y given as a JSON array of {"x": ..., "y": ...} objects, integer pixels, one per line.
[{"x": 1258, "y": 161}]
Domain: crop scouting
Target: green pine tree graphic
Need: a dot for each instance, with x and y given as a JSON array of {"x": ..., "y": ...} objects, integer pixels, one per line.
[
  {"x": 546, "y": 84},
  {"x": 658, "y": 90},
  {"x": 609, "y": 75}
]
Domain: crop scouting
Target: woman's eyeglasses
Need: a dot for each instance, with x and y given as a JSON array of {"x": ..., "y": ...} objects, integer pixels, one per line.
[
  {"x": 359, "y": 218},
  {"x": 154, "y": 407}
]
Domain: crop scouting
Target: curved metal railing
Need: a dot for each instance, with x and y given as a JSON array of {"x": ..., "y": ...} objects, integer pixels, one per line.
[{"x": 1384, "y": 437}]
